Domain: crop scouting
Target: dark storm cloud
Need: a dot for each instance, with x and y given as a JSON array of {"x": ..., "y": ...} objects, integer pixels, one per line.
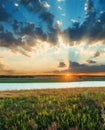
[
  {"x": 3, "y": 14},
  {"x": 84, "y": 68},
  {"x": 62, "y": 65},
  {"x": 16, "y": 25},
  {"x": 32, "y": 5},
  {"x": 22, "y": 43},
  {"x": 97, "y": 54},
  {"x": 77, "y": 31},
  {"x": 75, "y": 23},
  {"x": 26, "y": 29},
  {"x": 40, "y": 7},
  {"x": 89, "y": 7},
  {"x": 35, "y": 6},
  {"x": 91, "y": 62},
  {"x": 27, "y": 36},
  {"x": 48, "y": 18},
  {"x": 40, "y": 33},
  {"x": 53, "y": 36},
  {"x": 93, "y": 26},
  {"x": 7, "y": 39},
  {"x": 23, "y": 28}
]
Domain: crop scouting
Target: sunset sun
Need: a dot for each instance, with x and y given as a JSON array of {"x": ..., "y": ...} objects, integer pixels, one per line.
[{"x": 68, "y": 75}]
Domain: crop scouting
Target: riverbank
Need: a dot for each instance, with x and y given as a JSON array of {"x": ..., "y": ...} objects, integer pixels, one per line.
[
  {"x": 51, "y": 92},
  {"x": 50, "y": 78}
]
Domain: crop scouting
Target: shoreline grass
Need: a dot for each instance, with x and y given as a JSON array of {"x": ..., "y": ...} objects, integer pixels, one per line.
[
  {"x": 53, "y": 109},
  {"x": 50, "y": 92}
]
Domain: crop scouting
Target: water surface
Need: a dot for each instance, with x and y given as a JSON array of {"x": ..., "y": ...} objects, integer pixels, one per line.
[{"x": 28, "y": 86}]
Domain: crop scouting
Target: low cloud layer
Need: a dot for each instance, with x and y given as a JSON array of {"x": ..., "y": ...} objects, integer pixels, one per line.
[
  {"x": 62, "y": 65},
  {"x": 75, "y": 67},
  {"x": 91, "y": 62}
]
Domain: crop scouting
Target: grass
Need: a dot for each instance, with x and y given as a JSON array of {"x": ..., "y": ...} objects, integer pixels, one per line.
[{"x": 53, "y": 109}]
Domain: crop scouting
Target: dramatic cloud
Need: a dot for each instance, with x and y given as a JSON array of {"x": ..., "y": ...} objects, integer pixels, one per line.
[
  {"x": 62, "y": 65},
  {"x": 35, "y": 6},
  {"x": 97, "y": 54},
  {"x": 32, "y": 5},
  {"x": 93, "y": 26},
  {"x": 48, "y": 18},
  {"x": 23, "y": 28},
  {"x": 7, "y": 39},
  {"x": 20, "y": 35},
  {"x": 32, "y": 28},
  {"x": 85, "y": 68},
  {"x": 91, "y": 62},
  {"x": 89, "y": 7}
]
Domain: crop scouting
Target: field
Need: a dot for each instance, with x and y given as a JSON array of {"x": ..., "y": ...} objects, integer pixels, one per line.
[{"x": 53, "y": 109}]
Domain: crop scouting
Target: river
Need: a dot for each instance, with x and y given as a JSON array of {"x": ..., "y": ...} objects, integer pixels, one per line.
[{"x": 28, "y": 86}]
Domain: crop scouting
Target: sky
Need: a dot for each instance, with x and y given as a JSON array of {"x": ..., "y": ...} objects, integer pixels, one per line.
[{"x": 52, "y": 36}]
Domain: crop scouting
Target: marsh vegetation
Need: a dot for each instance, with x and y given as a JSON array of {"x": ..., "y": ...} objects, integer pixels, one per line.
[{"x": 56, "y": 109}]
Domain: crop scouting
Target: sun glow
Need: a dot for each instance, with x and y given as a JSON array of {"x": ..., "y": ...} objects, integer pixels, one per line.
[{"x": 67, "y": 75}]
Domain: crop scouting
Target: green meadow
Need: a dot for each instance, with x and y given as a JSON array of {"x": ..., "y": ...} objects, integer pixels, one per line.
[{"x": 53, "y": 109}]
